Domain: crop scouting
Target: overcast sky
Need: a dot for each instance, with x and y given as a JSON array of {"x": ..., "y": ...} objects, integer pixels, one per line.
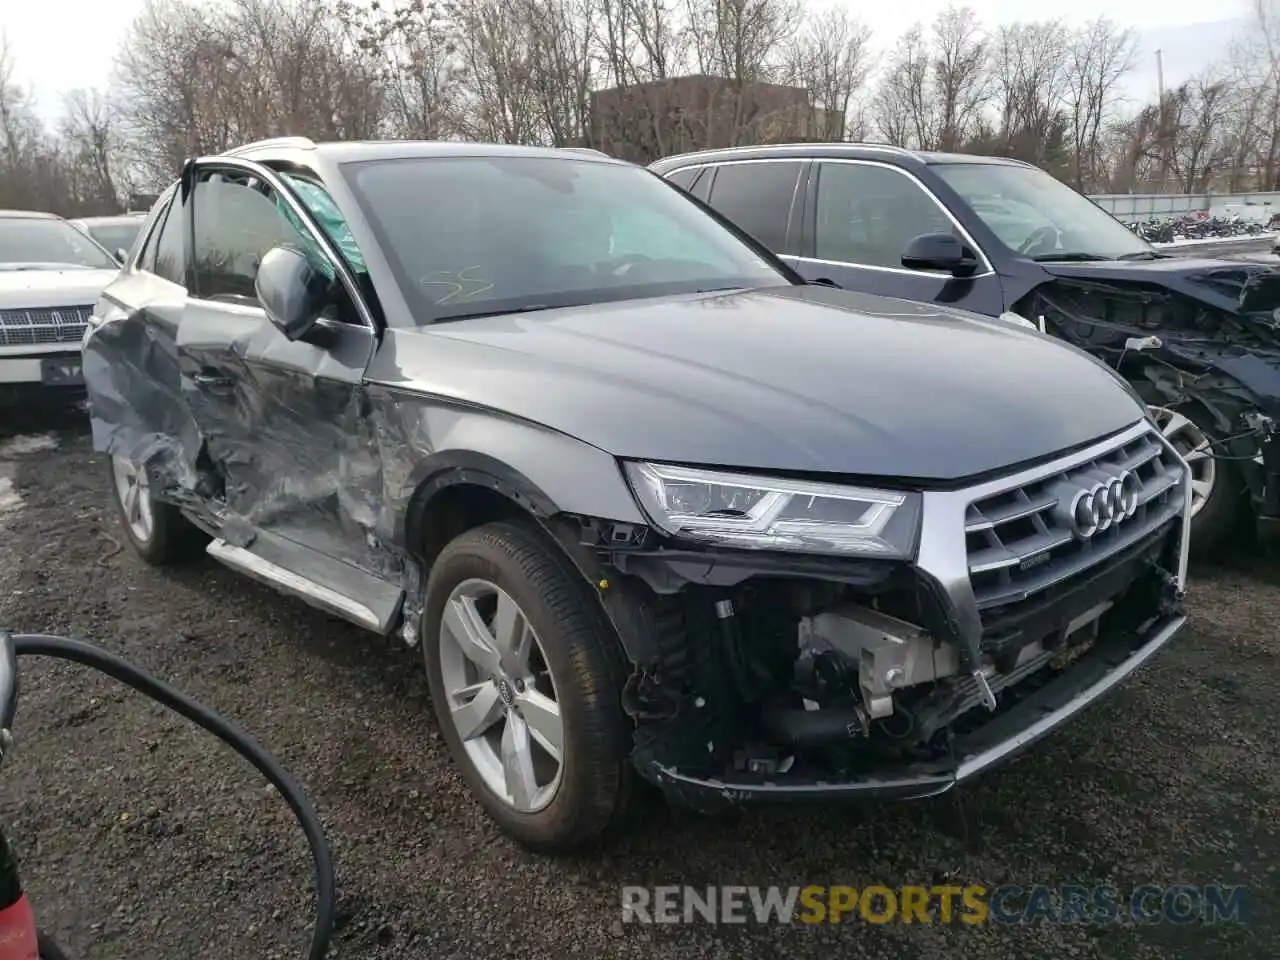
[{"x": 63, "y": 44}]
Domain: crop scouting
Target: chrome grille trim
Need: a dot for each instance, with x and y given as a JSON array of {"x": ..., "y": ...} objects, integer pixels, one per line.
[
  {"x": 946, "y": 515},
  {"x": 45, "y": 325},
  {"x": 1018, "y": 545}
]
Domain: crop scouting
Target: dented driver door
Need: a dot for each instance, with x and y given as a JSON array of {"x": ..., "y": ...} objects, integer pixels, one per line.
[{"x": 280, "y": 419}]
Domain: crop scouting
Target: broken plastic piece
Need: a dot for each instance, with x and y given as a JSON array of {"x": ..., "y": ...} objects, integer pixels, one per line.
[{"x": 1143, "y": 343}]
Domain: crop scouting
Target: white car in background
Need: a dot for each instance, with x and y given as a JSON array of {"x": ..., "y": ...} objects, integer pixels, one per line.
[{"x": 50, "y": 276}]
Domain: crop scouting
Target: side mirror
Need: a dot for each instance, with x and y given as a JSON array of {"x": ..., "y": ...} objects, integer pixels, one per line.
[
  {"x": 292, "y": 291},
  {"x": 940, "y": 251},
  {"x": 121, "y": 255}
]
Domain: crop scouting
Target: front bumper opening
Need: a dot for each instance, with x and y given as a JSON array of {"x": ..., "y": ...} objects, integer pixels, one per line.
[
  {"x": 1009, "y": 732},
  {"x": 793, "y": 690}
]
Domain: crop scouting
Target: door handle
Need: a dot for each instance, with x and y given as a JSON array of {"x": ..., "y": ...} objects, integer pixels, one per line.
[{"x": 211, "y": 381}]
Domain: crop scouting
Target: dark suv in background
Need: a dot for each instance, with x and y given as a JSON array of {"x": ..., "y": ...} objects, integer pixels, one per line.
[{"x": 1196, "y": 337}]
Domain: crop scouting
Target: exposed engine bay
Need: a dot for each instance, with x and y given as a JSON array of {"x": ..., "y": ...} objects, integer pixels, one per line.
[
  {"x": 1207, "y": 336},
  {"x": 796, "y": 678}
]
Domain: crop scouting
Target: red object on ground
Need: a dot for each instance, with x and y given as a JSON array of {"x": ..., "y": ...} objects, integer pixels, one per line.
[{"x": 18, "y": 932}]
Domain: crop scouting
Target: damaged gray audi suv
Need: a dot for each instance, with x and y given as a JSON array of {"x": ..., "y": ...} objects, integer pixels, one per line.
[{"x": 652, "y": 508}]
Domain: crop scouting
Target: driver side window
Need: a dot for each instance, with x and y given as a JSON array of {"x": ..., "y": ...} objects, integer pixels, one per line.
[
  {"x": 236, "y": 223},
  {"x": 866, "y": 214}
]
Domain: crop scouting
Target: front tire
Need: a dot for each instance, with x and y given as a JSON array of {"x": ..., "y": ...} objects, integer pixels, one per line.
[
  {"x": 525, "y": 682},
  {"x": 158, "y": 531}
]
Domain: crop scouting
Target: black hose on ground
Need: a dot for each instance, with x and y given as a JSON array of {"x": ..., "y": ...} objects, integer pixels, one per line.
[{"x": 86, "y": 654}]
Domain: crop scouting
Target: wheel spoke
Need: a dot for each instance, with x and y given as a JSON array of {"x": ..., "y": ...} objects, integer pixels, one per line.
[
  {"x": 476, "y": 708},
  {"x": 1199, "y": 452},
  {"x": 468, "y": 629},
  {"x": 517, "y": 762},
  {"x": 1174, "y": 424},
  {"x": 511, "y": 636},
  {"x": 1201, "y": 488},
  {"x": 144, "y": 509},
  {"x": 132, "y": 510},
  {"x": 542, "y": 714}
]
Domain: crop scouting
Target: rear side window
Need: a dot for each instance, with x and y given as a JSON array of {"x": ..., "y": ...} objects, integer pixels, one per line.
[
  {"x": 684, "y": 178},
  {"x": 758, "y": 197}
]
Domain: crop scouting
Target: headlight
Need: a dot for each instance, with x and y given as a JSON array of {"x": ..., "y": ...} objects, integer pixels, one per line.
[{"x": 762, "y": 513}]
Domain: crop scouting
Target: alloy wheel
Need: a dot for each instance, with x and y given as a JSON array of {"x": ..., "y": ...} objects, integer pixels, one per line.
[
  {"x": 134, "y": 491},
  {"x": 1195, "y": 447},
  {"x": 501, "y": 696}
]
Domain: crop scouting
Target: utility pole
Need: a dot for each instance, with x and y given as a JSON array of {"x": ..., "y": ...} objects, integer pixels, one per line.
[{"x": 1162, "y": 129}]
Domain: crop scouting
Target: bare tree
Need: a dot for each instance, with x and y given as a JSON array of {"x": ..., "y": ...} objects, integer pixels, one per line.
[
  {"x": 1099, "y": 57},
  {"x": 831, "y": 58},
  {"x": 641, "y": 45},
  {"x": 905, "y": 110},
  {"x": 561, "y": 68},
  {"x": 91, "y": 137},
  {"x": 744, "y": 42},
  {"x": 19, "y": 130},
  {"x": 423, "y": 72},
  {"x": 642, "y": 79},
  {"x": 1030, "y": 64},
  {"x": 199, "y": 79},
  {"x": 961, "y": 81},
  {"x": 1201, "y": 109},
  {"x": 502, "y": 99}
]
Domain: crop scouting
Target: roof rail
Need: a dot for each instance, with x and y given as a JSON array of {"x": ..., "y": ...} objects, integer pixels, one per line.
[
  {"x": 886, "y": 147},
  {"x": 756, "y": 147},
  {"x": 297, "y": 143},
  {"x": 588, "y": 150},
  {"x": 860, "y": 144}
]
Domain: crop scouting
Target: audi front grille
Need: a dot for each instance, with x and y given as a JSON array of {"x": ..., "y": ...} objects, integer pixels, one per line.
[
  {"x": 54, "y": 325},
  {"x": 1026, "y": 540}
]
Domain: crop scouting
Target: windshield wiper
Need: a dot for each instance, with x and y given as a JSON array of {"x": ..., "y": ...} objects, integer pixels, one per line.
[
  {"x": 1144, "y": 255},
  {"x": 1063, "y": 257}
]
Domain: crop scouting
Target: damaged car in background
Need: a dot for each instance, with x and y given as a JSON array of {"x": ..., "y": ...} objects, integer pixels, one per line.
[
  {"x": 1198, "y": 338},
  {"x": 648, "y": 505}
]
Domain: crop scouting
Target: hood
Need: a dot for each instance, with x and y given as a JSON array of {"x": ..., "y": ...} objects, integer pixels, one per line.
[
  {"x": 71, "y": 287},
  {"x": 803, "y": 379},
  {"x": 1235, "y": 284}
]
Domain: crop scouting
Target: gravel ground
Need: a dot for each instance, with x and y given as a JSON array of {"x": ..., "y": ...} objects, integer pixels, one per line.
[{"x": 140, "y": 837}]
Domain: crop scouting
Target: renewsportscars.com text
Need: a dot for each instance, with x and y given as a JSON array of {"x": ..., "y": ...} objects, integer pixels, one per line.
[{"x": 971, "y": 904}]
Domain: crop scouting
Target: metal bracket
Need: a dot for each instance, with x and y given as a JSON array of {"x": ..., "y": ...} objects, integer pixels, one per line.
[{"x": 988, "y": 697}]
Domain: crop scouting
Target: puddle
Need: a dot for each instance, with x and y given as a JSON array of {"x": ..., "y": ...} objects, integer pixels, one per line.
[{"x": 22, "y": 446}]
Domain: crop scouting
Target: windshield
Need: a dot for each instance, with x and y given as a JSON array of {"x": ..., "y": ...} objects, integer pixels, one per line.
[
  {"x": 1036, "y": 215},
  {"x": 34, "y": 242},
  {"x": 116, "y": 236},
  {"x": 482, "y": 235}
]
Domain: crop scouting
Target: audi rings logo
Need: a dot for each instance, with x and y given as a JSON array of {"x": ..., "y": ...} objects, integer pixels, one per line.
[{"x": 1106, "y": 502}]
